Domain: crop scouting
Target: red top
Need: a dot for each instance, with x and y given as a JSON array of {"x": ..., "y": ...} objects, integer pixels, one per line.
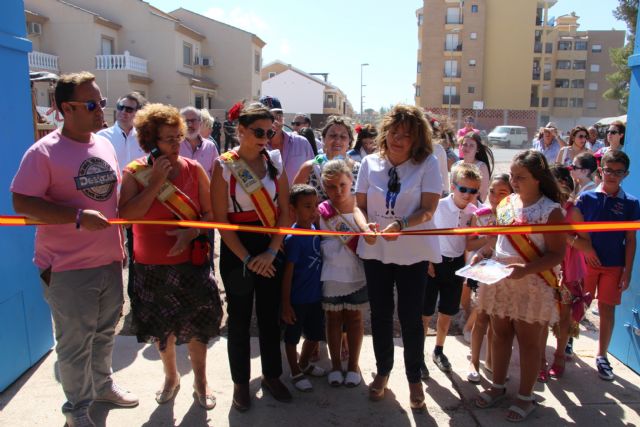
[{"x": 151, "y": 244}]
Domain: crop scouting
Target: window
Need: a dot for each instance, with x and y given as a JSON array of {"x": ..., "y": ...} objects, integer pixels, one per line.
[
  {"x": 419, "y": 67},
  {"x": 560, "y": 102},
  {"x": 592, "y": 105},
  {"x": 593, "y": 86},
  {"x": 473, "y": 36},
  {"x": 580, "y": 45},
  {"x": 453, "y": 15},
  {"x": 563, "y": 64},
  {"x": 577, "y": 84},
  {"x": 545, "y": 101},
  {"x": 106, "y": 46},
  {"x": 575, "y": 102},
  {"x": 257, "y": 62},
  {"x": 451, "y": 69},
  {"x": 474, "y": 8},
  {"x": 273, "y": 74},
  {"x": 579, "y": 64},
  {"x": 199, "y": 101},
  {"x": 548, "y": 47},
  {"x": 564, "y": 45},
  {"x": 186, "y": 54},
  {"x": 452, "y": 42},
  {"x": 209, "y": 102},
  {"x": 562, "y": 82},
  {"x": 417, "y": 91},
  {"x": 450, "y": 90},
  {"x": 420, "y": 19},
  {"x": 596, "y": 48},
  {"x": 472, "y": 63},
  {"x": 330, "y": 100},
  {"x": 595, "y": 68},
  {"x": 471, "y": 89}
]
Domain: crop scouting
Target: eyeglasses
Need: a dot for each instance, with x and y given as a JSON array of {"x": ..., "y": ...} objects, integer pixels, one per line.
[
  {"x": 613, "y": 132},
  {"x": 576, "y": 168},
  {"x": 91, "y": 105},
  {"x": 126, "y": 109},
  {"x": 261, "y": 133},
  {"x": 296, "y": 123},
  {"x": 464, "y": 190},
  {"x": 394, "y": 182},
  {"x": 615, "y": 172}
]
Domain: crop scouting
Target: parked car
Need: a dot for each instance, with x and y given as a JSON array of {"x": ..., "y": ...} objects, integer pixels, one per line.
[{"x": 508, "y": 136}]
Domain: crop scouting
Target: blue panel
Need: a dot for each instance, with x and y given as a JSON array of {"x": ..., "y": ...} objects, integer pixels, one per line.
[{"x": 13, "y": 335}]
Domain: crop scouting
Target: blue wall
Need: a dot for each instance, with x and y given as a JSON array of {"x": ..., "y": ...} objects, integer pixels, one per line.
[{"x": 25, "y": 320}]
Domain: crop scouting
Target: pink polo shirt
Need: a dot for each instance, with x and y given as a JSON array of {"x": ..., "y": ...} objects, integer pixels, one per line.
[{"x": 78, "y": 175}]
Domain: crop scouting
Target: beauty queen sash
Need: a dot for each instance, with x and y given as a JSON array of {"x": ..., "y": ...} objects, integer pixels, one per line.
[
  {"x": 337, "y": 222},
  {"x": 522, "y": 242},
  {"x": 169, "y": 196},
  {"x": 265, "y": 208}
]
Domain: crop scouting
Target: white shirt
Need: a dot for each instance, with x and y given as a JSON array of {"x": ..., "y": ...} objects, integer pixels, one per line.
[
  {"x": 448, "y": 215},
  {"x": 126, "y": 146},
  {"x": 441, "y": 156},
  {"x": 415, "y": 179}
]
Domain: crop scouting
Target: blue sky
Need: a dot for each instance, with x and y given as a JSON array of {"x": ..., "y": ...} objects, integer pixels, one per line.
[{"x": 338, "y": 36}]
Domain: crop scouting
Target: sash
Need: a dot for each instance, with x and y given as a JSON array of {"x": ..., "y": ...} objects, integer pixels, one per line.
[
  {"x": 522, "y": 243},
  {"x": 169, "y": 196},
  {"x": 265, "y": 208},
  {"x": 337, "y": 222}
]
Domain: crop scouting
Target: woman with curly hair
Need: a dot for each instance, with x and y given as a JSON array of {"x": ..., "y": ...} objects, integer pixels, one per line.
[{"x": 175, "y": 297}]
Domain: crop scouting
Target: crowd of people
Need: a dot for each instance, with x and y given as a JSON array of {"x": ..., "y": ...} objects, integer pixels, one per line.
[{"x": 158, "y": 163}]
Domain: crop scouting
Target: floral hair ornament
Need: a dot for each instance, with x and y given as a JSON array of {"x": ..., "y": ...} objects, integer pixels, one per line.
[{"x": 234, "y": 112}]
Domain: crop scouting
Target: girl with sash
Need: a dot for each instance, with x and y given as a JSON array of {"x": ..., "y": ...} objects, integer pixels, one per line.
[
  {"x": 523, "y": 304},
  {"x": 344, "y": 288},
  {"x": 249, "y": 187},
  {"x": 337, "y": 137},
  {"x": 175, "y": 297}
]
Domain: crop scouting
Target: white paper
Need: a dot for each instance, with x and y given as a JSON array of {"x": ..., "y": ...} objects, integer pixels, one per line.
[{"x": 487, "y": 271}]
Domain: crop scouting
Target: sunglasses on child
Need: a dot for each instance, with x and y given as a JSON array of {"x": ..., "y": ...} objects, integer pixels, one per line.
[
  {"x": 90, "y": 105},
  {"x": 126, "y": 109},
  {"x": 261, "y": 133},
  {"x": 466, "y": 189}
]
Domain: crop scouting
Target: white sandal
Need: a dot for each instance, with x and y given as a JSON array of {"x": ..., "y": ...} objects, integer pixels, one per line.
[
  {"x": 301, "y": 382},
  {"x": 353, "y": 379},
  {"x": 523, "y": 413},
  {"x": 489, "y": 400},
  {"x": 335, "y": 378}
]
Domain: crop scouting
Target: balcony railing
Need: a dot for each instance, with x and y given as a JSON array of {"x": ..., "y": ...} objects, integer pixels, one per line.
[
  {"x": 452, "y": 75},
  {"x": 448, "y": 20},
  {"x": 535, "y": 75},
  {"x": 121, "y": 62},
  {"x": 547, "y": 76},
  {"x": 43, "y": 61},
  {"x": 449, "y": 48},
  {"x": 451, "y": 99}
]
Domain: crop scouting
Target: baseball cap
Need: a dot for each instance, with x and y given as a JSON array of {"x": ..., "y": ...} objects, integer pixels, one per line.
[{"x": 272, "y": 103}]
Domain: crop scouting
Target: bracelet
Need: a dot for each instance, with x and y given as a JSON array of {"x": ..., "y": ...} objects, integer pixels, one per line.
[
  {"x": 405, "y": 222},
  {"x": 272, "y": 252},
  {"x": 245, "y": 261},
  {"x": 397, "y": 221},
  {"x": 78, "y": 218}
]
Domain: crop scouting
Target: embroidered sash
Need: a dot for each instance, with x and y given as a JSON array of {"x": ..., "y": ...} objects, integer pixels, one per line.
[
  {"x": 169, "y": 196},
  {"x": 265, "y": 208},
  {"x": 337, "y": 222},
  {"x": 522, "y": 243}
]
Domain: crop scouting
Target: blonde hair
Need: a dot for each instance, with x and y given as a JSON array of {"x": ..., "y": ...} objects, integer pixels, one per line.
[
  {"x": 207, "y": 119},
  {"x": 465, "y": 171},
  {"x": 334, "y": 168}
]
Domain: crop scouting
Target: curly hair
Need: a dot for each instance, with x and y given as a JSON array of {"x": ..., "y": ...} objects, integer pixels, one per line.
[
  {"x": 338, "y": 120},
  {"x": 412, "y": 119},
  {"x": 151, "y": 118}
]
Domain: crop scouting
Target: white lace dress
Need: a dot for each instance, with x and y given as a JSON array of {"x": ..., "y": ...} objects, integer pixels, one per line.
[{"x": 529, "y": 299}]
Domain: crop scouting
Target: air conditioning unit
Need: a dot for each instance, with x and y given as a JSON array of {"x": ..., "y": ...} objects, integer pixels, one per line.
[
  {"x": 34, "y": 28},
  {"x": 206, "y": 61}
]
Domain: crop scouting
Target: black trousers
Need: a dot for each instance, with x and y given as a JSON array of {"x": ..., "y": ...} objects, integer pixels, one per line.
[
  {"x": 409, "y": 282},
  {"x": 241, "y": 288}
]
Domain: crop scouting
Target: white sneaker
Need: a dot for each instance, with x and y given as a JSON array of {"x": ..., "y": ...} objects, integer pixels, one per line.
[{"x": 118, "y": 396}]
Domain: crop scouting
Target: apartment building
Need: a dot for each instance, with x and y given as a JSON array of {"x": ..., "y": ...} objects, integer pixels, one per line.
[
  {"x": 300, "y": 91},
  {"x": 175, "y": 58},
  {"x": 509, "y": 63}
]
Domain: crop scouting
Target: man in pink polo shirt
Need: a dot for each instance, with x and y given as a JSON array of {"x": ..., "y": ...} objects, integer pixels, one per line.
[{"x": 69, "y": 180}]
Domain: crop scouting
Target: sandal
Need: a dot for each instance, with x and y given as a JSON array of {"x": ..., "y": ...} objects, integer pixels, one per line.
[
  {"x": 335, "y": 378},
  {"x": 523, "y": 413},
  {"x": 543, "y": 376},
  {"x": 377, "y": 393},
  {"x": 486, "y": 400},
  {"x": 207, "y": 400},
  {"x": 353, "y": 379},
  {"x": 557, "y": 370},
  {"x": 301, "y": 382},
  {"x": 165, "y": 395},
  {"x": 313, "y": 370}
]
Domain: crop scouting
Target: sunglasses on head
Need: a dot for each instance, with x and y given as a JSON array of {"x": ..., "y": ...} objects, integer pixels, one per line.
[
  {"x": 394, "y": 181},
  {"x": 261, "y": 133},
  {"x": 90, "y": 105},
  {"x": 126, "y": 109},
  {"x": 466, "y": 189},
  {"x": 613, "y": 132}
]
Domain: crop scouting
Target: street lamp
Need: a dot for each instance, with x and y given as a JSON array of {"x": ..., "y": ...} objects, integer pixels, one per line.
[{"x": 361, "y": 86}]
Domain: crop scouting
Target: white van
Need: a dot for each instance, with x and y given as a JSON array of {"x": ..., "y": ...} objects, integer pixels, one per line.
[{"x": 508, "y": 136}]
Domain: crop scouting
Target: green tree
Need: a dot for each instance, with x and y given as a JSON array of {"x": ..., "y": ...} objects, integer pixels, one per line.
[{"x": 626, "y": 11}]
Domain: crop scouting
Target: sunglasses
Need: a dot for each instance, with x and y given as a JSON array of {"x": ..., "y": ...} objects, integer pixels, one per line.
[
  {"x": 126, "y": 109},
  {"x": 576, "y": 168},
  {"x": 615, "y": 172},
  {"x": 261, "y": 133},
  {"x": 394, "y": 182},
  {"x": 581, "y": 136},
  {"x": 90, "y": 105},
  {"x": 296, "y": 123},
  {"x": 464, "y": 190},
  {"x": 613, "y": 132}
]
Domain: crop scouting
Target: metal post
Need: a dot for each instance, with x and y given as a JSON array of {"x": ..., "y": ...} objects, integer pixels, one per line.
[{"x": 361, "y": 86}]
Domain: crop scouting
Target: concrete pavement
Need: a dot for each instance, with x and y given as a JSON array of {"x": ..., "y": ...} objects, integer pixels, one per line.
[{"x": 580, "y": 397}]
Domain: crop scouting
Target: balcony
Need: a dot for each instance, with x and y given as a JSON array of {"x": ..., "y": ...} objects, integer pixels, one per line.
[
  {"x": 43, "y": 61},
  {"x": 121, "y": 62},
  {"x": 451, "y": 99},
  {"x": 454, "y": 20},
  {"x": 451, "y": 74},
  {"x": 535, "y": 75},
  {"x": 450, "y": 48}
]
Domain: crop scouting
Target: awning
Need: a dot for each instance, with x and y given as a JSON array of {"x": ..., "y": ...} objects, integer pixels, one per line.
[{"x": 608, "y": 120}]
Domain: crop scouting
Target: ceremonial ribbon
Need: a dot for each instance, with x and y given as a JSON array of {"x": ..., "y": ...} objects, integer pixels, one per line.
[{"x": 584, "y": 227}]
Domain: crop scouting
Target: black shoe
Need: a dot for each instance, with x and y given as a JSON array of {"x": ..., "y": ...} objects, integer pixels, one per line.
[
  {"x": 442, "y": 362},
  {"x": 424, "y": 371},
  {"x": 241, "y": 398},
  {"x": 604, "y": 369},
  {"x": 279, "y": 391}
]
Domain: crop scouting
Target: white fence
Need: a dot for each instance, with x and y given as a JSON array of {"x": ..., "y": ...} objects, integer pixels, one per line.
[
  {"x": 121, "y": 62},
  {"x": 43, "y": 61}
]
